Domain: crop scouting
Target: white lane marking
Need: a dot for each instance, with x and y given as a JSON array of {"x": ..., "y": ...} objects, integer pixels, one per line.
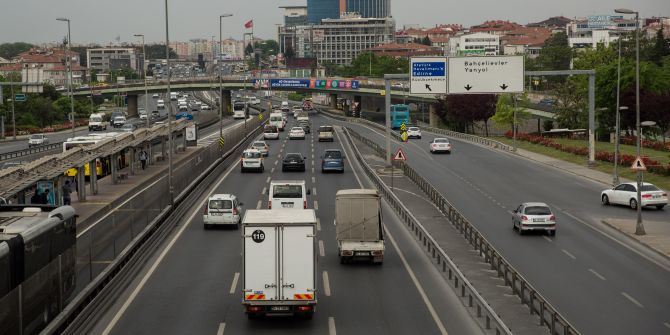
[
  {"x": 265, "y": 189},
  {"x": 322, "y": 251},
  {"x": 267, "y": 180},
  {"x": 351, "y": 154},
  {"x": 547, "y": 238},
  {"x": 569, "y": 254},
  {"x": 222, "y": 327},
  {"x": 326, "y": 284},
  {"x": 637, "y": 303},
  {"x": 272, "y": 170},
  {"x": 334, "y": 222},
  {"x": 276, "y": 162},
  {"x": 318, "y": 224},
  {"x": 259, "y": 204},
  {"x": 667, "y": 325},
  {"x": 418, "y": 285},
  {"x": 314, "y": 191},
  {"x": 234, "y": 284},
  {"x": 312, "y": 167},
  {"x": 597, "y": 274},
  {"x": 162, "y": 255},
  {"x": 313, "y": 180},
  {"x": 331, "y": 326},
  {"x": 316, "y": 205}
]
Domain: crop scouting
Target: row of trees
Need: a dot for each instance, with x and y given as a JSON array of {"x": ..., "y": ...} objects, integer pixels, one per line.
[{"x": 368, "y": 64}]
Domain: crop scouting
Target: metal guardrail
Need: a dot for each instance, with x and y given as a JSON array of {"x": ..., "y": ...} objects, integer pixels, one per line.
[
  {"x": 31, "y": 151},
  {"x": 470, "y": 138},
  {"x": 549, "y": 316},
  {"x": 467, "y": 290}
]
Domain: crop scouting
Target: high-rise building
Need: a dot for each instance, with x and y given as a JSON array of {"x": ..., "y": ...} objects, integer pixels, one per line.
[
  {"x": 295, "y": 16},
  {"x": 369, "y": 8},
  {"x": 318, "y": 10}
]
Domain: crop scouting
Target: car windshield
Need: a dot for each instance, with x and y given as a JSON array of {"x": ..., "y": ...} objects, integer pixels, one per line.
[
  {"x": 259, "y": 145},
  {"x": 538, "y": 210},
  {"x": 413, "y": 129},
  {"x": 36, "y": 137},
  {"x": 96, "y": 119},
  {"x": 252, "y": 154},
  {"x": 293, "y": 157},
  {"x": 333, "y": 155},
  {"x": 647, "y": 188},
  {"x": 270, "y": 129},
  {"x": 441, "y": 140},
  {"x": 287, "y": 191},
  {"x": 220, "y": 204},
  {"x": 296, "y": 129},
  {"x": 326, "y": 129}
]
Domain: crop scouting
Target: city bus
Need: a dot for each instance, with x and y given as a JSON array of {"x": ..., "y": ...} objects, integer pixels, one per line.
[
  {"x": 399, "y": 115},
  {"x": 102, "y": 165}
]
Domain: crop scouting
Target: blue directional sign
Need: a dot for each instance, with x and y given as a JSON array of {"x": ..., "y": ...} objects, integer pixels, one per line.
[
  {"x": 429, "y": 75},
  {"x": 19, "y": 97}
]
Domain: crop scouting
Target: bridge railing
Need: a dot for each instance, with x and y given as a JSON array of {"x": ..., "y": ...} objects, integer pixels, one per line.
[
  {"x": 538, "y": 305},
  {"x": 31, "y": 151}
]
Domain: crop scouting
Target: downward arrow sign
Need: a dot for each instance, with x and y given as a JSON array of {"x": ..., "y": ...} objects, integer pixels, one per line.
[
  {"x": 468, "y": 87},
  {"x": 428, "y": 88},
  {"x": 504, "y": 86}
]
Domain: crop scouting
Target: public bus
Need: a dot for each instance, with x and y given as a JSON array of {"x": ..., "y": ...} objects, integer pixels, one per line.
[
  {"x": 102, "y": 165},
  {"x": 399, "y": 115},
  {"x": 37, "y": 265}
]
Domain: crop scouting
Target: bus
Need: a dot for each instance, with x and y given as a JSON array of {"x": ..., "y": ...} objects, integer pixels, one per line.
[
  {"x": 102, "y": 165},
  {"x": 37, "y": 254},
  {"x": 399, "y": 115}
]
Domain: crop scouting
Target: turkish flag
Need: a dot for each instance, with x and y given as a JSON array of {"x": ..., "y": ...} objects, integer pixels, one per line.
[{"x": 249, "y": 24}]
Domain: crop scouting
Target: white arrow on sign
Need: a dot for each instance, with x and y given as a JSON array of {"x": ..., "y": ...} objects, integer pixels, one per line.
[{"x": 485, "y": 74}]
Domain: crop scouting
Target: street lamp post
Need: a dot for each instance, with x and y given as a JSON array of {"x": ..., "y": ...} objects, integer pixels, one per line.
[
  {"x": 169, "y": 105},
  {"x": 220, "y": 75},
  {"x": 144, "y": 74},
  {"x": 68, "y": 57},
  {"x": 615, "y": 180},
  {"x": 639, "y": 228}
]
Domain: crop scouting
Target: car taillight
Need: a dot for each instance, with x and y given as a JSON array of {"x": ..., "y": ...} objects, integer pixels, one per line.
[
  {"x": 270, "y": 204},
  {"x": 524, "y": 218},
  {"x": 304, "y": 204},
  {"x": 205, "y": 210},
  {"x": 304, "y": 308},
  {"x": 646, "y": 196},
  {"x": 665, "y": 194},
  {"x": 552, "y": 218},
  {"x": 234, "y": 211}
]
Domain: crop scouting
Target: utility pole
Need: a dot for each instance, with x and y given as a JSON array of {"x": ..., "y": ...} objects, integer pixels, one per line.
[
  {"x": 144, "y": 71},
  {"x": 68, "y": 57},
  {"x": 169, "y": 105}
]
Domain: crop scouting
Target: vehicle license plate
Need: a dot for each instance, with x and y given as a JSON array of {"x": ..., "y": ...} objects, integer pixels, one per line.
[
  {"x": 287, "y": 205},
  {"x": 538, "y": 220},
  {"x": 217, "y": 214},
  {"x": 362, "y": 253},
  {"x": 279, "y": 308}
]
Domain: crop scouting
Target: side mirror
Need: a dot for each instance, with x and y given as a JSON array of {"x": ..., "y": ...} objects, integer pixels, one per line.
[
  {"x": 309, "y": 191},
  {"x": 241, "y": 204},
  {"x": 304, "y": 157},
  {"x": 516, "y": 211}
]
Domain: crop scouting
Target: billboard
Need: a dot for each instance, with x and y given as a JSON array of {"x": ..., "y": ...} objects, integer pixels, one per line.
[{"x": 298, "y": 83}]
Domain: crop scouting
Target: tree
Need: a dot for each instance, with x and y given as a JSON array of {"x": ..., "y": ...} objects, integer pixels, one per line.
[
  {"x": 42, "y": 110},
  {"x": 11, "y": 50},
  {"x": 268, "y": 47},
  {"x": 249, "y": 49},
  {"x": 426, "y": 41},
  {"x": 465, "y": 109},
  {"x": 556, "y": 53},
  {"x": 289, "y": 52},
  {"x": 505, "y": 111},
  {"x": 126, "y": 72},
  {"x": 660, "y": 48},
  {"x": 157, "y": 51},
  {"x": 571, "y": 106}
]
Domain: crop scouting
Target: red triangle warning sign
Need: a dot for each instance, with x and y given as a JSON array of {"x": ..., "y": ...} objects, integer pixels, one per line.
[
  {"x": 638, "y": 165},
  {"x": 399, "y": 155}
]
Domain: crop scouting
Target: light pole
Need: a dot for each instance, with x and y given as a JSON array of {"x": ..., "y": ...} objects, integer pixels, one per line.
[
  {"x": 169, "y": 105},
  {"x": 68, "y": 57},
  {"x": 218, "y": 67},
  {"x": 144, "y": 74},
  {"x": 639, "y": 228},
  {"x": 615, "y": 180}
]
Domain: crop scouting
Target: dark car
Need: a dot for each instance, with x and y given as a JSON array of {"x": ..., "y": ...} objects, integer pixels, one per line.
[
  {"x": 332, "y": 160},
  {"x": 547, "y": 102},
  {"x": 293, "y": 162},
  {"x": 305, "y": 126}
]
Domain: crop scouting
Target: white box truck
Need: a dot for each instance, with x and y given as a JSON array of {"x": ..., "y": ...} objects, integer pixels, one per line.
[
  {"x": 279, "y": 270},
  {"x": 358, "y": 222}
]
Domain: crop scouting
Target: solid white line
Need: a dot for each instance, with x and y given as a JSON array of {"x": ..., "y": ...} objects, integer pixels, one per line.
[
  {"x": 234, "y": 284},
  {"x": 597, "y": 274},
  {"x": 326, "y": 284},
  {"x": 418, "y": 285},
  {"x": 632, "y": 299},
  {"x": 318, "y": 224},
  {"x": 569, "y": 254},
  {"x": 331, "y": 326},
  {"x": 322, "y": 251},
  {"x": 265, "y": 189},
  {"x": 316, "y": 205},
  {"x": 259, "y": 204},
  {"x": 162, "y": 255},
  {"x": 222, "y": 327}
]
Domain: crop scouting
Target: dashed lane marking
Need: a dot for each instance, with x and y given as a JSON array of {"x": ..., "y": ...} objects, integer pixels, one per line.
[
  {"x": 259, "y": 204},
  {"x": 316, "y": 205},
  {"x": 234, "y": 284},
  {"x": 222, "y": 327},
  {"x": 318, "y": 224},
  {"x": 569, "y": 254},
  {"x": 331, "y": 326},
  {"x": 265, "y": 189},
  {"x": 267, "y": 180},
  {"x": 633, "y": 300},
  {"x": 597, "y": 274},
  {"x": 326, "y": 284},
  {"x": 322, "y": 251}
]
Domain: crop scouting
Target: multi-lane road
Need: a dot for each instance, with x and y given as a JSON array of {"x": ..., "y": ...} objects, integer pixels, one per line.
[
  {"x": 192, "y": 285},
  {"x": 600, "y": 282}
]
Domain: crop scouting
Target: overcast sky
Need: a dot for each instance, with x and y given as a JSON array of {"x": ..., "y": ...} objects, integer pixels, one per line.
[{"x": 102, "y": 21}]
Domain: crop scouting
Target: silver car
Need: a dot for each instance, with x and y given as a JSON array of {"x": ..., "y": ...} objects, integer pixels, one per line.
[{"x": 530, "y": 216}]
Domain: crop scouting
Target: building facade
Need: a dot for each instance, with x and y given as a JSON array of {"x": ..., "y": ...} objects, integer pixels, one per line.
[
  {"x": 108, "y": 59},
  {"x": 318, "y": 10},
  {"x": 475, "y": 44},
  {"x": 369, "y": 8},
  {"x": 589, "y": 32},
  {"x": 47, "y": 66},
  {"x": 295, "y": 16}
]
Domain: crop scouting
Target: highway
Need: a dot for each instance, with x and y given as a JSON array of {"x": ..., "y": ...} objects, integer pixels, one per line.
[
  {"x": 585, "y": 267},
  {"x": 192, "y": 284}
]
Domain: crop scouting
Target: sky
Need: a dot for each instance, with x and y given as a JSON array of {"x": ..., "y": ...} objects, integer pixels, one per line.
[{"x": 99, "y": 21}]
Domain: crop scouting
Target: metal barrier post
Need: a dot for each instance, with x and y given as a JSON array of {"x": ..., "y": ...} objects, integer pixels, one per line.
[{"x": 92, "y": 165}]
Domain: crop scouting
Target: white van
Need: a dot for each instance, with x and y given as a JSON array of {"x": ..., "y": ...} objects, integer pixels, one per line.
[
  {"x": 277, "y": 119},
  {"x": 160, "y": 104},
  {"x": 287, "y": 194},
  {"x": 222, "y": 209},
  {"x": 97, "y": 122}
]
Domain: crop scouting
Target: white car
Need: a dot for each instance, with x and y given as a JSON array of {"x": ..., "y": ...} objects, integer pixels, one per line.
[
  {"x": 414, "y": 132},
  {"x": 155, "y": 96},
  {"x": 252, "y": 159},
  {"x": 204, "y": 107},
  {"x": 222, "y": 209},
  {"x": 119, "y": 121},
  {"x": 440, "y": 145},
  {"x": 37, "y": 140},
  {"x": 296, "y": 133},
  {"x": 626, "y": 194},
  {"x": 530, "y": 216},
  {"x": 261, "y": 146}
]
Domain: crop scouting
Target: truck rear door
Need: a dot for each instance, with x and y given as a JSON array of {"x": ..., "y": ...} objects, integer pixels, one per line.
[
  {"x": 260, "y": 263},
  {"x": 297, "y": 263}
]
